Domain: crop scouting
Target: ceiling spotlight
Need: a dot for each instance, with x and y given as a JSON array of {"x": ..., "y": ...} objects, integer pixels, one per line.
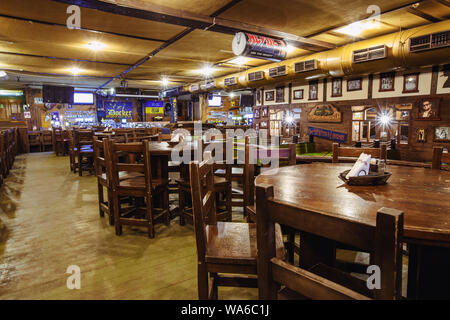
[
  {"x": 75, "y": 71},
  {"x": 164, "y": 82},
  {"x": 232, "y": 95},
  {"x": 96, "y": 46},
  {"x": 207, "y": 71},
  {"x": 2, "y": 74}
]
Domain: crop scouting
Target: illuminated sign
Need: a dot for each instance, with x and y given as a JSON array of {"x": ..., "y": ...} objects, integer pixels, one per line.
[
  {"x": 327, "y": 134},
  {"x": 118, "y": 110},
  {"x": 255, "y": 46}
]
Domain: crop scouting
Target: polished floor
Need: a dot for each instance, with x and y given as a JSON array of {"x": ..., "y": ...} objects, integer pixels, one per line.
[{"x": 49, "y": 221}]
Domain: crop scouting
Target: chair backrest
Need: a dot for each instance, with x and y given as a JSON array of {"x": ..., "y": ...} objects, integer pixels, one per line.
[
  {"x": 99, "y": 158},
  {"x": 46, "y": 137},
  {"x": 438, "y": 157},
  {"x": 164, "y": 137},
  {"x": 203, "y": 201},
  {"x": 34, "y": 138},
  {"x": 380, "y": 153},
  {"x": 382, "y": 240},
  {"x": 131, "y": 152}
]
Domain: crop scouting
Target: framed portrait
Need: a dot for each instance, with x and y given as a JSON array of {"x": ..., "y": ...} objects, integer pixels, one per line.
[
  {"x": 258, "y": 96},
  {"x": 264, "y": 112},
  {"x": 298, "y": 94},
  {"x": 354, "y": 84},
  {"x": 421, "y": 135},
  {"x": 270, "y": 95},
  {"x": 428, "y": 109},
  {"x": 442, "y": 134},
  {"x": 336, "y": 87},
  {"x": 279, "y": 94},
  {"x": 256, "y": 114},
  {"x": 263, "y": 125},
  {"x": 314, "y": 90},
  {"x": 411, "y": 82},
  {"x": 387, "y": 81}
]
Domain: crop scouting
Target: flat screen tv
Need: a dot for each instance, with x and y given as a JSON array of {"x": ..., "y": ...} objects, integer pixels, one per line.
[
  {"x": 246, "y": 100},
  {"x": 55, "y": 94},
  {"x": 83, "y": 98},
  {"x": 215, "y": 101}
]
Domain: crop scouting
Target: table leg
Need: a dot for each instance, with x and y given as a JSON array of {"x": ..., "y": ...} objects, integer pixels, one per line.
[{"x": 428, "y": 272}]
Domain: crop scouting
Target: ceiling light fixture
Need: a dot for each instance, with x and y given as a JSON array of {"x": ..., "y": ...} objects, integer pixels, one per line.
[
  {"x": 2, "y": 74},
  {"x": 164, "y": 82},
  {"x": 356, "y": 28},
  {"x": 96, "y": 46},
  {"x": 207, "y": 71},
  {"x": 290, "y": 48},
  {"x": 75, "y": 71}
]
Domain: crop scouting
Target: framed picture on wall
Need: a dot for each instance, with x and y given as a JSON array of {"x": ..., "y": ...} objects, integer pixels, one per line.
[
  {"x": 313, "y": 90},
  {"x": 442, "y": 134},
  {"x": 411, "y": 82},
  {"x": 264, "y": 112},
  {"x": 354, "y": 84},
  {"x": 270, "y": 95},
  {"x": 387, "y": 81},
  {"x": 279, "y": 94},
  {"x": 298, "y": 94},
  {"x": 421, "y": 135},
  {"x": 336, "y": 87},
  {"x": 428, "y": 109},
  {"x": 258, "y": 96},
  {"x": 256, "y": 114},
  {"x": 263, "y": 125}
]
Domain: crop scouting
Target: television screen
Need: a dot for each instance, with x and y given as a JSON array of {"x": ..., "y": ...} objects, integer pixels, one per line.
[
  {"x": 215, "y": 101},
  {"x": 83, "y": 98},
  {"x": 54, "y": 94},
  {"x": 246, "y": 100}
]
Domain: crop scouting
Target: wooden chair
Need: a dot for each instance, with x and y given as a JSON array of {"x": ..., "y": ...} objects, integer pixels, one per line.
[
  {"x": 438, "y": 157},
  {"x": 315, "y": 280},
  {"x": 338, "y": 151},
  {"x": 59, "y": 142},
  {"x": 142, "y": 185},
  {"x": 46, "y": 141},
  {"x": 103, "y": 179},
  {"x": 222, "y": 247},
  {"x": 3, "y": 155},
  {"x": 83, "y": 149},
  {"x": 34, "y": 140}
]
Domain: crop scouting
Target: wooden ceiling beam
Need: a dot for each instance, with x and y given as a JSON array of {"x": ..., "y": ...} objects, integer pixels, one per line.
[
  {"x": 443, "y": 2},
  {"x": 149, "y": 11},
  {"x": 423, "y": 15}
]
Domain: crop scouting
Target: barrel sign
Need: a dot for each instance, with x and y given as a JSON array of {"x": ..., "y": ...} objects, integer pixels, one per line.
[{"x": 260, "y": 47}]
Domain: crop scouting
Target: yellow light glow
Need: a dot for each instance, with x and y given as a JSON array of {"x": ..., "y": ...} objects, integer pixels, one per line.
[
  {"x": 75, "y": 71},
  {"x": 239, "y": 60},
  {"x": 96, "y": 46},
  {"x": 356, "y": 28}
]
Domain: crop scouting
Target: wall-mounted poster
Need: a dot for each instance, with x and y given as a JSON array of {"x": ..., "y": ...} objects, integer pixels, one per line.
[
  {"x": 336, "y": 90},
  {"x": 270, "y": 95},
  {"x": 313, "y": 90},
  {"x": 280, "y": 94},
  {"x": 354, "y": 84},
  {"x": 256, "y": 116},
  {"x": 446, "y": 71},
  {"x": 411, "y": 83},
  {"x": 298, "y": 94},
  {"x": 428, "y": 109},
  {"x": 387, "y": 80},
  {"x": 421, "y": 135},
  {"x": 264, "y": 112},
  {"x": 442, "y": 134},
  {"x": 324, "y": 113}
]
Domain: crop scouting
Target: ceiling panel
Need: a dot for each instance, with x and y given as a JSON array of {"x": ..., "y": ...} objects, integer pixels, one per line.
[
  {"x": 32, "y": 38},
  {"x": 51, "y": 11},
  {"x": 304, "y": 18}
]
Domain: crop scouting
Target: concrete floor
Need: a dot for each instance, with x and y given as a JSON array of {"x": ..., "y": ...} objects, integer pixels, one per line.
[{"x": 49, "y": 221}]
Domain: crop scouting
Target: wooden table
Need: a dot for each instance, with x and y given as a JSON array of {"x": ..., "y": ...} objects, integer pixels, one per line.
[{"x": 422, "y": 194}]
